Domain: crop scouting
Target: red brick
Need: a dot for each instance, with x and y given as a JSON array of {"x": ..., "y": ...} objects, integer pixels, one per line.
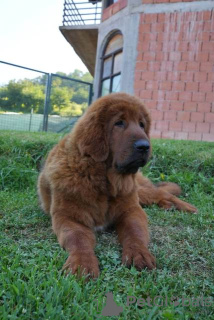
[
  {"x": 151, "y": 18},
  {"x": 149, "y": 56},
  {"x": 195, "y": 136},
  {"x": 168, "y": 46},
  {"x": 139, "y": 56},
  {"x": 155, "y": 46},
  {"x": 206, "y": 87},
  {"x": 208, "y": 46},
  {"x": 212, "y": 128},
  {"x": 152, "y": 85},
  {"x": 157, "y": 27},
  {"x": 185, "y": 96},
  {"x": 180, "y": 66},
  {"x": 209, "y": 117},
  {"x": 145, "y": 27},
  {"x": 137, "y": 92},
  {"x": 183, "y": 116},
  {"x": 208, "y": 137},
  {"x": 137, "y": 76},
  {"x": 123, "y": 4},
  {"x": 211, "y": 76},
  {"x": 173, "y": 76},
  {"x": 192, "y": 86},
  {"x": 170, "y": 115},
  {"x": 163, "y": 37},
  {"x": 195, "y": 46},
  {"x": 181, "y": 135},
  {"x": 198, "y": 96},
  {"x": 200, "y": 76},
  {"x": 174, "y": 56},
  {"x": 166, "y": 85},
  {"x": 163, "y": 105},
  {"x": 178, "y": 86},
  {"x": 190, "y": 106},
  {"x": 167, "y": 135},
  {"x": 155, "y": 134},
  {"x": 206, "y": 66},
  {"x": 116, "y": 7},
  {"x": 146, "y": 94},
  {"x": 160, "y": 75},
  {"x": 203, "y": 127},
  {"x": 153, "y": 65},
  {"x": 182, "y": 46},
  {"x": 193, "y": 66},
  {"x": 197, "y": 116},
  {"x": 166, "y": 66},
  {"x": 163, "y": 17},
  {"x": 149, "y": 36},
  {"x": 210, "y": 97},
  {"x": 151, "y": 104},
  {"x": 211, "y": 56},
  {"x": 162, "y": 125},
  {"x": 147, "y": 75},
  {"x": 171, "y": 95},
  {"x": 175, "y": 126},
  {"x": 142, "y": 45},
  {"x": 156, "y": 115},
  {"x": 203, "y": 36},
  {"x": 188, "y": 127},
  {"x": 188, "y": 56},
  {"x": 148, "y": 1},
  {"x": 162, "y": 56},
  {"x": 141, "y": 65},
  {"x": 158, "y": 95},
  {"x": 204, "y": 107},
  {"x": 140, "y": 84},
  {"x": 176, "y": 105},
  {"x": 204, "y": 15},
  {"x": 187, "y": 76}
]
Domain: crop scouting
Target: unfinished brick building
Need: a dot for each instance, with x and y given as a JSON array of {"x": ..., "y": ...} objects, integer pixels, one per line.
[{"x": 160, "y": 50}]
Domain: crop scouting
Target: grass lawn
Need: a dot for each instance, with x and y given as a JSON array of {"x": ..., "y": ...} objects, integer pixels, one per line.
[{"x": 32, "y": 285}]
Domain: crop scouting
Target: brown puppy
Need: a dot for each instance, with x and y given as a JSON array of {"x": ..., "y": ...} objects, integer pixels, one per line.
[{"x": 91, "y": 179}]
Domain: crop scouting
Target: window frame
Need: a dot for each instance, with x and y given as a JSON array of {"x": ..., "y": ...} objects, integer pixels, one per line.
[{"x": 112, "y": 54}]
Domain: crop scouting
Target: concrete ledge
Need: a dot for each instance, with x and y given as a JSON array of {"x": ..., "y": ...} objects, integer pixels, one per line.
[{"x": 83, "y": 39}]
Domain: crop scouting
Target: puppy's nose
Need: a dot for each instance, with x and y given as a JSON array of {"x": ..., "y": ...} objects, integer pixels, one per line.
[{"x": 142, "y": 145}]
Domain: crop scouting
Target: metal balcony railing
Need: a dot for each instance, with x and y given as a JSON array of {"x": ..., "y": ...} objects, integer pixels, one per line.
[{"x": 82, "y": 12}]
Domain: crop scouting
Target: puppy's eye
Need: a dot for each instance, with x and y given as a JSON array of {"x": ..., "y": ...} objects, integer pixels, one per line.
[
  {"x": 141, "y": 124},
  {"x": 120, "y": 123}
]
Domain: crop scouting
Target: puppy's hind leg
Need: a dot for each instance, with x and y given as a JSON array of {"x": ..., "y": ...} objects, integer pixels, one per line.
[{"x": 163, "y": 194}]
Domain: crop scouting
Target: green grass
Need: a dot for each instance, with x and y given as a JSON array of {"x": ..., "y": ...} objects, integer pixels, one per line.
[{"x": 32, "y": 285}]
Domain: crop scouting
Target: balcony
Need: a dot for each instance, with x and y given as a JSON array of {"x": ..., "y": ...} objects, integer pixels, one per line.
[{"x": 81, "y": 19}]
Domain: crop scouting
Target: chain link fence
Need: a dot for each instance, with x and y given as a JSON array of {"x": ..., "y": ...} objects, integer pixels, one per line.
[{"x": 41, "y": 101}]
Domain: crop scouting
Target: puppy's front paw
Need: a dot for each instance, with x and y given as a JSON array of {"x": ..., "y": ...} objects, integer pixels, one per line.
[
  {"x": 82, "y": 264},
  {"x": 140, "y": 257}
]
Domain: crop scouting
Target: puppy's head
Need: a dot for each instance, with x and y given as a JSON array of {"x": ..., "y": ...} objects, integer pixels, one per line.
[{"x": 116, "y": 127}]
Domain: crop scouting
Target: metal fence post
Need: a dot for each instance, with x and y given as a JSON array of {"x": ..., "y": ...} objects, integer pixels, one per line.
[
  {"x": 90, "y": 94},
  {"x": 47, "y": 101}
]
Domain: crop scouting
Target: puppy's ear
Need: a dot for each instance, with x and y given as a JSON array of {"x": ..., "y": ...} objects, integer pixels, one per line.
[{"x": 92, "y": 138}]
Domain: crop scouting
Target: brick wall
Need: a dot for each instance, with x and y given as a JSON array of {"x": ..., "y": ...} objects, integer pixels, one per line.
[
  {"x": 114, "y": 8},
  {"x": 174, "y": 73},
  {"x": 167, "y": 1}
]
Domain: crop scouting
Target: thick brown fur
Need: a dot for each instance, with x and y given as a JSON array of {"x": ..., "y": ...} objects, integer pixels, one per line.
[{"x": 90, "y": 180}]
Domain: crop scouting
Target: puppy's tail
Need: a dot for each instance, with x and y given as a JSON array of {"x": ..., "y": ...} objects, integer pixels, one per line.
[{"x": 170, "y": 187}]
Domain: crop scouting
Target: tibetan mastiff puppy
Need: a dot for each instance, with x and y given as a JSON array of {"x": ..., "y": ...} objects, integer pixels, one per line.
[{"x": 91, "y": 179}]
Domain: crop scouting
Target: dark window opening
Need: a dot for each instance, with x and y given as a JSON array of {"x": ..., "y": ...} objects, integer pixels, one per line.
[{"x": 111, "y": 66}]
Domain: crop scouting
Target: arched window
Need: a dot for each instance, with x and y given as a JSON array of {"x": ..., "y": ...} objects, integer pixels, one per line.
[{"x": 111, "y": 65}]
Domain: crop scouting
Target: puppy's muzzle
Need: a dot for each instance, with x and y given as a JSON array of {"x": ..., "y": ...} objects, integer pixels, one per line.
[{"x": 142, "y": 146}]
